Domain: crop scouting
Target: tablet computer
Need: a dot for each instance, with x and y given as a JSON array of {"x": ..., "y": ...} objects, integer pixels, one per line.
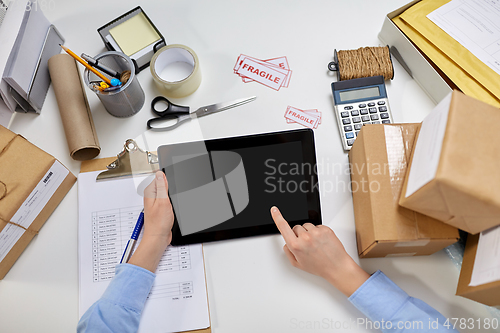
[{"x": 224, "y": 188}]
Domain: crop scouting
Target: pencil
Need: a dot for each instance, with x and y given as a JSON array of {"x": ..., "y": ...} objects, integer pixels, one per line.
[{"x": 90, "y": 68}]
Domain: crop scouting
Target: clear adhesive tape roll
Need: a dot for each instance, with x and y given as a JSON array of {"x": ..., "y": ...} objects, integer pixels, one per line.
[{"x": 176, "y": 70}]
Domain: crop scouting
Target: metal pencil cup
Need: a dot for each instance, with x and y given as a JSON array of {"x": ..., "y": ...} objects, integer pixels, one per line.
[{"x": 126, "y": 100}]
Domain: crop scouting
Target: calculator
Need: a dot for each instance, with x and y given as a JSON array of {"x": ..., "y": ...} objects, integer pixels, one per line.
[{"x": 360, "y": 102}]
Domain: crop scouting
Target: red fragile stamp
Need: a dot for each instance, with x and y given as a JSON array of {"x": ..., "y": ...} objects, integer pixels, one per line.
[
  {"x": 307, "y": 118},
  {"x": 273, "y": 73}
]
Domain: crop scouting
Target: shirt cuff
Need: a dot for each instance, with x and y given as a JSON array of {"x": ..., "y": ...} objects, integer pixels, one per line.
[
  {"x": 379, "y": 297},
  {"x": 130, "y": 286}
]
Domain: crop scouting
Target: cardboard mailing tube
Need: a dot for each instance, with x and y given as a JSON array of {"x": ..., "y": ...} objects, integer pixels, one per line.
[{"x": 74, "y": 108}]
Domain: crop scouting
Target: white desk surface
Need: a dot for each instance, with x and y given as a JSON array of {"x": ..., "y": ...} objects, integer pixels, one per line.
[{"x": 251, "y": 285}]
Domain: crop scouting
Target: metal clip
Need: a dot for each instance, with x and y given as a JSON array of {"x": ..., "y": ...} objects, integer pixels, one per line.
[
  {"x": 334, "y": 65},
  {"x": 131, "y": 161}
]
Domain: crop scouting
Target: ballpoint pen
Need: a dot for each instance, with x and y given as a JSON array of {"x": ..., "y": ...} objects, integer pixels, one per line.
[
  {"x": 95, "y": 63},
  {"x": 133, "y": 239}
]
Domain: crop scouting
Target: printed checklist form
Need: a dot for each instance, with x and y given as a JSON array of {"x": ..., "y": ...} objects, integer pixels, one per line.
[{"x": 108, "y": 211}]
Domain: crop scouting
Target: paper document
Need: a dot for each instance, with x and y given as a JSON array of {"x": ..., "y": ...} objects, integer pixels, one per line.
[
  {"x": 108, "y": 211},
  {"x": 487, "y": 263},
  {"x": 428, "y": 147},
  {"x": 31, "y": 207},
  {"x": 475, "y": 24}
]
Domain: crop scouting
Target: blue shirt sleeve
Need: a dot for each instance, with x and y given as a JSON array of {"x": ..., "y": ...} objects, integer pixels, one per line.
[
  {"x": 390, "y": 309},
  {"x": 120, "y": 307}
]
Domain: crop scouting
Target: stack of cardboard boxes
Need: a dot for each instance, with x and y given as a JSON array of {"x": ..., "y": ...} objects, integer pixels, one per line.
[{"x": 426, "y": 181}]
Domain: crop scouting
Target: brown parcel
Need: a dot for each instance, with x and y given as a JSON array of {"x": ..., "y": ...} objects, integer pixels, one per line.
[
  {"x": 22, "y": 167},
  {"x": 488, "y": 293},
  {"x": 465, "y": 189},
  {"x": 378, "y": 161}
]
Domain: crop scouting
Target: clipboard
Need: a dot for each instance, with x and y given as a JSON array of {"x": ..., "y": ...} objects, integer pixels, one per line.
[
  {"x": 120, "y": 166},
  {"x": 132, "y": 160}
]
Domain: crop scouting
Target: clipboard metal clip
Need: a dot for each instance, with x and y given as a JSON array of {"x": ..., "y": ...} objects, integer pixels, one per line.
[{"x": 131, "y": 161}]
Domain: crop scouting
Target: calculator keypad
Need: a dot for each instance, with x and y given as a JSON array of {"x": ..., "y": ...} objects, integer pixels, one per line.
[{"x": 353, "y": 116}]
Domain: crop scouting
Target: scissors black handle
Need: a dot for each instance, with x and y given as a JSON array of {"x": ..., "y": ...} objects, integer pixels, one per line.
[
  {"x": 179, "y": 120},
  {"x": 171, "y": 109}
]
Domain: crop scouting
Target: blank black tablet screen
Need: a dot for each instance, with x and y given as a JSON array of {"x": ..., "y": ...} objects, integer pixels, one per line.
[{"x": 224, "y": 188}]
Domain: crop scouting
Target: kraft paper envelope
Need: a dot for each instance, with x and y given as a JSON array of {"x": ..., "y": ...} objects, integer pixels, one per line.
[
  {"x": 461, "y": 79},
  {"x": 27, "y": 177},
  {"x": 472, "y": 76}
]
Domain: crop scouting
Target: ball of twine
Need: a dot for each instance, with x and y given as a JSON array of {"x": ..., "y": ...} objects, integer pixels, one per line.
[{"x": 365, "y": 62}]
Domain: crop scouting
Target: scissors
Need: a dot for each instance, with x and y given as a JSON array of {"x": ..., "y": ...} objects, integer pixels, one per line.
[{"x": 182, "y": 113}]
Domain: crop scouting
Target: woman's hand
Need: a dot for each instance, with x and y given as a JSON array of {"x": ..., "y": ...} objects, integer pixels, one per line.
[
  {"x": 158, "y": 221},
  {"x": 317, "y": 250},
  {"x": 158, "y": 213}
]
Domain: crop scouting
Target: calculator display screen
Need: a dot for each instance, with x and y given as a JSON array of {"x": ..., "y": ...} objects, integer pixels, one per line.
[{"x": 359, "y": 93}]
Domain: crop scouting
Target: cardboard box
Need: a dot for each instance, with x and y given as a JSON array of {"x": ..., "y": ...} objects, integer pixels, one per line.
[
  {"x": 378, "y": 161},
  {"x": 453, "y": 172},
  {"x": 488, "y": 293},
  {"x": 32, "y": 183},
  {"x": 423, "y": 71}
]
